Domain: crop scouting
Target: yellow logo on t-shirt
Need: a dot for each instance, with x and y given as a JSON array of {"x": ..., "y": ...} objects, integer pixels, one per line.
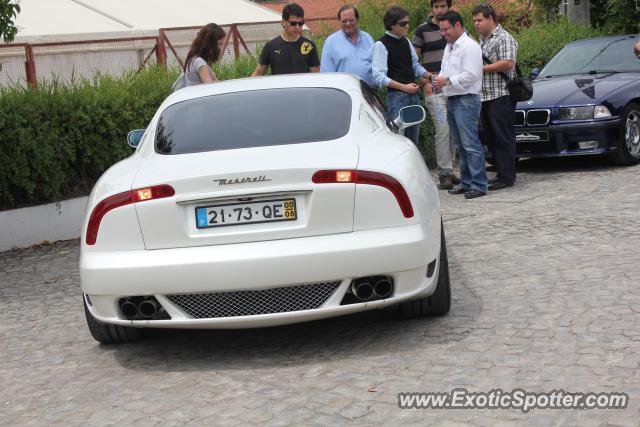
[{"x": 305, "y": 48}]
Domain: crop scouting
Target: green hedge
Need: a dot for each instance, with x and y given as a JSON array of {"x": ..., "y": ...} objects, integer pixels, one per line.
[{"x": 56, "y": 140}]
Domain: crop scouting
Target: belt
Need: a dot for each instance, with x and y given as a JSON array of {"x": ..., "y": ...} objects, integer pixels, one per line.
[{"x": 460, "y": 96}]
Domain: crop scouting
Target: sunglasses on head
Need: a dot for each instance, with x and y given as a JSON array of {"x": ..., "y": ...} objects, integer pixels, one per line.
[
  {"x": 488, "y": 8},
  {"x": 294, "y": 23}
]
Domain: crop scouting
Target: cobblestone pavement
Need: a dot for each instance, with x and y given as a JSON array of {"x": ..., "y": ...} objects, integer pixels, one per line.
[{"x": 546, "y": 296}]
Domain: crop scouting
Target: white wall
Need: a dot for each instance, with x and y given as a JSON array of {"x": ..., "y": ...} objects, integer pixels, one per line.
[{"x": 24, "y": 227}]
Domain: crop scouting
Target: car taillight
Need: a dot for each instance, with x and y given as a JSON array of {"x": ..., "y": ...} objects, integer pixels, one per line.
[
  {"x": 367, "y": 178},
  {"x": 122, "y": 199}
]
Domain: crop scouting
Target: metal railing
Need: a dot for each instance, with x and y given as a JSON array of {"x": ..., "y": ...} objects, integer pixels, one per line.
[{"x": 24, "y": 64}]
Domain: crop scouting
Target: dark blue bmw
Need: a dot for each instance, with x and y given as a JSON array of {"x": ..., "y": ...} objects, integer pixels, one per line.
[{"x": 586, "y": 100}]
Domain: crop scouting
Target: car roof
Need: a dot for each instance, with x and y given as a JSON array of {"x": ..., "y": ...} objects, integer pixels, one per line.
[{"x": 344, "y": 81}]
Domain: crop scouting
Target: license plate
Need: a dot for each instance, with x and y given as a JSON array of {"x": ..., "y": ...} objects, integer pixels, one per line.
[
  {"x": 532, "y": 136},
  {"x": 246, "y": 213}
]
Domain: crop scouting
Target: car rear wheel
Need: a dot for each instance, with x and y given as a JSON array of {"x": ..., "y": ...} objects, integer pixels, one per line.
[
  {"x": 628, "y": 152},
  {"x": 109, "y": 334},
  {"x": 440, "y": 301}
]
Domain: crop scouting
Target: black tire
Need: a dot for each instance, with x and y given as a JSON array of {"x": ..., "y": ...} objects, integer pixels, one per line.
[
  {"x": 109, "y": 334},
  {"x": 628, "y": 152},
  {"x": 439, "y": 302}
]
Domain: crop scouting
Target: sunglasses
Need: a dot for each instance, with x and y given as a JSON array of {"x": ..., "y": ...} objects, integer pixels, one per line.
[
  {"x": 403, "y": 23},
  {"x": 294, "y": 23},
  {"x": 488, "y": 8}
]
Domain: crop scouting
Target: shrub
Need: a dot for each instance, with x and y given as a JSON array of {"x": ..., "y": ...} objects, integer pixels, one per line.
[{"x": 58, "y": 139}]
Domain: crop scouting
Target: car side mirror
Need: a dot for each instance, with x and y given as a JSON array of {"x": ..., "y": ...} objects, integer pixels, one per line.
[
  {"x": 134, "y": 137},
  {"x": 534, "y": 73},
  {"x": 409, "y": 116}
]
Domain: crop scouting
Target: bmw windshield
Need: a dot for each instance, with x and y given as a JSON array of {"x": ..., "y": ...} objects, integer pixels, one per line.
[{"x": 594, "y": 56}]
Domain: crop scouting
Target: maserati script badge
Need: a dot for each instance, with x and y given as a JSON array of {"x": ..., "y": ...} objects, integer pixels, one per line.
[{"x": 244, "y": 180}]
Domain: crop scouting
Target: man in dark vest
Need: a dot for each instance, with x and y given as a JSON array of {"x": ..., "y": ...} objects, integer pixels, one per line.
[{"x": 395, "y": 66}]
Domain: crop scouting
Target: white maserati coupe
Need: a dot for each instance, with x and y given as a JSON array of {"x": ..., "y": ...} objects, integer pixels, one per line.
[{"x": 261, "y": 202}]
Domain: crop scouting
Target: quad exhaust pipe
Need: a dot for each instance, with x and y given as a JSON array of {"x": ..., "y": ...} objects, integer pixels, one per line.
[
  {"x": 362, "y": 289},
  {"x": 129, "y": 309},
  {"x": 383, "y": 288},
  {"x": 148, "y": 308},
  {"x": 140, "y": 307},
  {"x": 372, "y": 288}
]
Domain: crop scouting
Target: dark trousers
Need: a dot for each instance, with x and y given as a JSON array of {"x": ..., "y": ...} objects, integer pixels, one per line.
[{"x": 498, "y": 119}]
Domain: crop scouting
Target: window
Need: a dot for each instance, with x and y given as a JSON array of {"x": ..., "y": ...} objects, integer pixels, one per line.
[
  {"x": 377, "y": 105},
  {"x": 254, "y": 119}
]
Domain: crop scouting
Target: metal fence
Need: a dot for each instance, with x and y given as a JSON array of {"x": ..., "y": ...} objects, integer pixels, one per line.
[
  {"x": 29, "y": 63},
  {"x": 241, "y": 38}
]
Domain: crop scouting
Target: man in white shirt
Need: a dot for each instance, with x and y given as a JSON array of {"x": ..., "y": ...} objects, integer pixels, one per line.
[{"x": 461, "y": 81}]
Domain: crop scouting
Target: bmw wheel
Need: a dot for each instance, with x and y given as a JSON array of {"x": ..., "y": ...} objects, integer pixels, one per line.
[
  {"x": 440, "y": 301},
  {"x": 629, "y": 145},
  {"x": 109, "y": 334}
]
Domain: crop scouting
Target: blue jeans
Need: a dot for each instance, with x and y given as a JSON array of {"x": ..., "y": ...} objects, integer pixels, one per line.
[
  {"x": 395, "y": 101},
  {"x": 463, "y": 113}
]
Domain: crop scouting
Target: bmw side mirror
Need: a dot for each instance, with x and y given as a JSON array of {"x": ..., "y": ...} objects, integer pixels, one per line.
[
  {"x": 409, "y": 116},
  {"x": 134, "y": 137},
  {"x": 534, "y": 73}
]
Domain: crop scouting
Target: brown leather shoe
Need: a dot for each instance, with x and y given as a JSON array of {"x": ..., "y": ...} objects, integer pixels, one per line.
[{"x": 445, "y": 182}]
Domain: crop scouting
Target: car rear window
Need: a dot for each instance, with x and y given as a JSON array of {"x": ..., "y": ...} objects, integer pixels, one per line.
[{"x": 254, "y": 119}]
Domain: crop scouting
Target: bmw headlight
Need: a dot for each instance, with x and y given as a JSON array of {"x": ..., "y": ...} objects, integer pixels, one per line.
[
  {"x": 576, "y": 113},
  {"x": 601, "y": 111},
  {"x": 582, "y": 113}
]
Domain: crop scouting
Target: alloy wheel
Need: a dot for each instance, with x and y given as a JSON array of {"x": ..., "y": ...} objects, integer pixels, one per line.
[{"x": 632, "y": 133}]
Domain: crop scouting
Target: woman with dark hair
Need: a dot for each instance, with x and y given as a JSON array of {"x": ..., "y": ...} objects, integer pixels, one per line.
[{"x": 205, "y": 49}]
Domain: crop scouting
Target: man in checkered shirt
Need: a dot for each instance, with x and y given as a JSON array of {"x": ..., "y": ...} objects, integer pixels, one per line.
[{"x": 499, "y": 50}]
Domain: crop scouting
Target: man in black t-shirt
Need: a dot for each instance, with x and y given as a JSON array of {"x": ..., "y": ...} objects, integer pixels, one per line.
[{"x": 290, "y": 52}]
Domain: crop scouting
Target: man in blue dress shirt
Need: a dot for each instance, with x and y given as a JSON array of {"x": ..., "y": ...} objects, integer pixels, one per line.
[{"x": 348, "y": 50}]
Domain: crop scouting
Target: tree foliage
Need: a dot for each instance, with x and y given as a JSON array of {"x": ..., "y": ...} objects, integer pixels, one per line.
[
  {"x": 547, "y": 9},
  {"x": 8, "y": 12},
  {"x": 622, "y": 16}
]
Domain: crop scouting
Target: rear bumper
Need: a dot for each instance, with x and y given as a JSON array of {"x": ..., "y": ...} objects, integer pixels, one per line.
[{"x": 400, "y": 252}]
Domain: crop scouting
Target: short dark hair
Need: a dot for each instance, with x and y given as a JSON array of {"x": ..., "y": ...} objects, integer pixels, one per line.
[
  {"x": 392, "y": 16},
  {"x": 449, "y": 2},
  {"x": 292, "y": 9},
  {"x": 452, "y": 17},
  {"x": 347, "y": 7},
  {"x": 485, "y": 9}
]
